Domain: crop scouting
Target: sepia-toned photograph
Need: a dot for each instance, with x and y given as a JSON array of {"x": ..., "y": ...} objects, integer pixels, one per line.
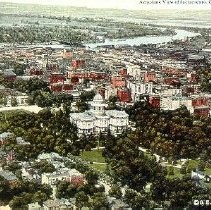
[{"x": 105, "y": 104}]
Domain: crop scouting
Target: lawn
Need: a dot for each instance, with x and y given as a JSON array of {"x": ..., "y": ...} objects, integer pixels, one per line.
[
  {"x": 193, "y": 164},
  {"x": 208, "y": 171},
  {"x": 93, "y": 156},
  {"x": 97, "y": 161},
  {"x": 177, "y": 173},
  {"x": 99, "y": 167}
]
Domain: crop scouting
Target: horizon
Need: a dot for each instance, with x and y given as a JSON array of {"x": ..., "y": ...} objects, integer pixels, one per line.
[{"x": 121, "y": 5}]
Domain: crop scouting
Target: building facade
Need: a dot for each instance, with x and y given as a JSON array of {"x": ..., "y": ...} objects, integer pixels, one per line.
[{"x": 97, "y": 119}]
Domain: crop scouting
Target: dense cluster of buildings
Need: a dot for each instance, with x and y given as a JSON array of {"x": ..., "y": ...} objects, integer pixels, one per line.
[
  {"x": 167, "y": 76},
  {"x": 164, "y": 76}
]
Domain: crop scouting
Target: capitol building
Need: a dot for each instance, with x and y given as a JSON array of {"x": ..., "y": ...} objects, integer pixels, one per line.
[{"x": 97, "y": 119}]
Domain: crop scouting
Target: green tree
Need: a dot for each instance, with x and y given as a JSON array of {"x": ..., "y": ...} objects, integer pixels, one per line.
[
  {"x": 99, "y": 201},
  {"x": 39, "y": 197},
  {"x": 183, "y": 169},
  {"x": 81, "y": 199},
  {"x": 91, "y": 177},
  {"x": 201, "y": 165},
  {"x": 171, "y": 171},
  {"x": 115, "y": 191}
]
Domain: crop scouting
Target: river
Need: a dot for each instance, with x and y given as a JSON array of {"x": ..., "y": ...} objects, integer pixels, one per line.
[{"x": 181, "y": 34}]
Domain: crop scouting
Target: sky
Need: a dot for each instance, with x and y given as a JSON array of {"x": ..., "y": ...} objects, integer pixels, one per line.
[{"x": 125, "y": 4}]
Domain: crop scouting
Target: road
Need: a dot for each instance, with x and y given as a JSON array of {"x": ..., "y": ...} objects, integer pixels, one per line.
[{"x": 33, "y": 108}]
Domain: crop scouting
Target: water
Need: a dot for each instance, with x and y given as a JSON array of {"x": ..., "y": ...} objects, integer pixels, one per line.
[{"x": 181, "y": 35}]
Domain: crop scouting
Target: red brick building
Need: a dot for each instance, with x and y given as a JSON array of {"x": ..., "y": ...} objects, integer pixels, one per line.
[
  {"x": 118, "y": 82},
  {"x": 61, "y": 87},
  {"x": 124, "y": 95},
  {"x": 202, "y": 111},
  {"x": 173, "y": 72},
  {"x": 154, "y": 101},
  {"x": 35, "y": 72},
  {"x": 123, "y": 72},
  {"x": 198, "y": 102},
  {"x": 94, "y": 76},
  {"x": 149, "y": 77},
  {"x": 174, "y": 81},
  {"x": 78, "y": 64},
  {"x": 56, "y": 78}
]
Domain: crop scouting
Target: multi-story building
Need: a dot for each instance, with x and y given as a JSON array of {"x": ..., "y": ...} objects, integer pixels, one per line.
[
  {"x": 175, "y": 102},
  {"x": 63, "y": 175},
  {"x": 97, "y": 119},
  {"x": 124, "y": 95},
  {"x": 137, "y": 89},
  {"x": 17, "y": 100}
]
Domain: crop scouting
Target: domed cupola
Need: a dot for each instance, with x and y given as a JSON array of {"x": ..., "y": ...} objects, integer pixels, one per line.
[{"x": 97, "y": 106}]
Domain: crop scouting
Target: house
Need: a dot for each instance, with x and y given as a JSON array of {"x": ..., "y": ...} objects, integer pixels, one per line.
[
  {"x": 19, "y": 99},
  {"x": 30, "y": 174},
  {"x": 139, "y": 88},
  {"x": 117, "y": 204},
  {"x": 64, "y": 174},
  {"x": 5, "y": 207},
  {"x": 79, "y": 76},
  {"x": 123, "y": 72},
  {"x": 4, "y": 136},
  {"x": 34, "y": 71},
  {"x": 78, "y": 64},
  {"x": 124, "y": 95},
  {"x": 9, "y": 75},
  {"x": 149, "y": 76},
  {"x": 154, "y": 101},
  {"x": 198, "y": 175},
  {"x": 59, "y": 204},
  {"x": 175, "y": 102},
  {"x": 56, "y": 78},
  {"x": 20, "y": 141},
  {"x": 61, "y": 87},
  {"x": 8, "y": 175},
  {"x": 35, "y": 206},
  {"x": 49, "y": 157},
  {"x": 203, "y": 111},
  {"x": 118, "y": 82},
  {"x": 195, "y": 59}
]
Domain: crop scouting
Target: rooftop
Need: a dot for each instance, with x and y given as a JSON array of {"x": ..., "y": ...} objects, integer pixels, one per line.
[{"x": 8, "y": 175}]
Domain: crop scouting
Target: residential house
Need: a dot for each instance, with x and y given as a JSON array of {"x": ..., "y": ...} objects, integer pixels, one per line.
[
  {"x": 64, "y": 174},
  {"x": 57, "y": 204},
  {"x": 8, "y": 175},
  {"x": 9, "y": 75},
  {"x": 117, "y": 204}
]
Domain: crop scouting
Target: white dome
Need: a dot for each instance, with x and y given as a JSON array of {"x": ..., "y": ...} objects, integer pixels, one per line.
[{"x": 98, "y": 98}]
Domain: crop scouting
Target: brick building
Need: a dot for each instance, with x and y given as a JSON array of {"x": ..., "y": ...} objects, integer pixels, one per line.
[{"x": 124, "y": 95}]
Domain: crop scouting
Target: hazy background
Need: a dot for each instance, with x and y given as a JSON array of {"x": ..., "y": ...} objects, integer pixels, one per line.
[{"x": 116, "y": 4}]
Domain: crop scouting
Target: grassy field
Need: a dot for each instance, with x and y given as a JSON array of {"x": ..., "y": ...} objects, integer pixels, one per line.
[
  {"x": 208, "y": 171},
  {"x": 93, "y": 156},
  {"x": 99, "y": 167},
  {"x": 97, "y": 161},
  {"x": 192, "y": 165},
  {"x": 177, "y": 173}
]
